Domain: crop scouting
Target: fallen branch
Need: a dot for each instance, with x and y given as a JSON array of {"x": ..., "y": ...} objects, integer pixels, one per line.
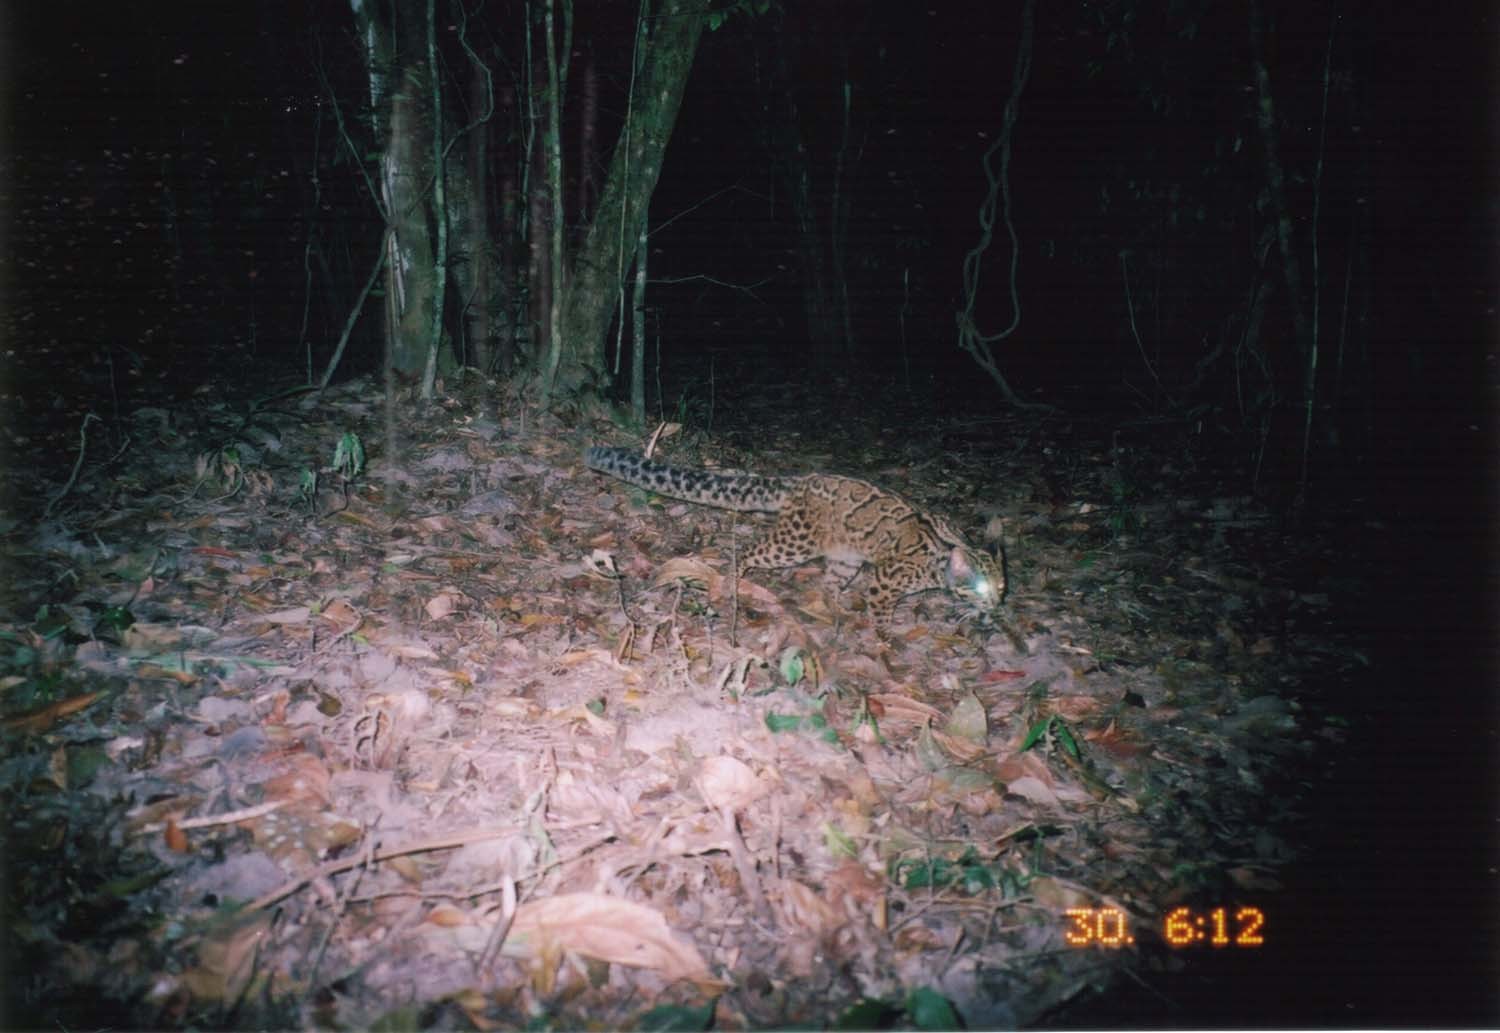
[{"x": 286, "y": 889}]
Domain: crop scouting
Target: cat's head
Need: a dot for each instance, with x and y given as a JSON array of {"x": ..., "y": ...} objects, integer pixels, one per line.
[{"x": 977, "y": 579}]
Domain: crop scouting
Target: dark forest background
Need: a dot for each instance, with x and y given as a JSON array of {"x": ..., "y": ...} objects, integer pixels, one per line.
[{"x": 183, "y": 206}]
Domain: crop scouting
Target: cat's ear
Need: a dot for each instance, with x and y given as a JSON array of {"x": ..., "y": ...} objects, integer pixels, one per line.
[{"x": 959, "y": 567}]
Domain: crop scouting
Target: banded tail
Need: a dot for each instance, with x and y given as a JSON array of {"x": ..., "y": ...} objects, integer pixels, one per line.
[{"x": 744, "y": 493}]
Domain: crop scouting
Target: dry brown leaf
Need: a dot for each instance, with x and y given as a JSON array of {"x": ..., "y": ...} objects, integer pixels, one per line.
[
  {"x": 804, "y": 908},
  {"x": 535, "y": 620},
  {"x": 175, "y": 838},
  {"x": 147, "y": 637},
  {"x": 1249, "y": 878},
  {"x": 858, "y": 891},
  {"x": 444, "y": 604},
  {"x": 689, "y": 569},
  {"x": 607, "y": 928},
  {"x": 1020, "y": 765},
  {"x": 1113, "y": 741},
  {"x": 1074, "y": 706},
  {"x": 580, "y": 712},
  {"x": 1033, "y": 789},
  {"x": 45, "y": 718},
  {"x": 349, "y": 516},
  {"x": 917, "y": 937},
  {"x": 227, "y": 956},
  {"x": 407, "y": 868},
  {"x": 476, "y": 1008},
  {"x": 446, "y": 916},
  {"x": 815, "y": 607},
  {"x": 341, "y": 615},
  {"x": 963, "y": 750},
  {"x": 905, "y": 709},
  {"x": 1058, "y": 895},
  {"x": 158, "y": 673},
  {"x": 294, "y": 615},
  {"x": 968, "y": 721},
  {"x": 726, "y": 782}
]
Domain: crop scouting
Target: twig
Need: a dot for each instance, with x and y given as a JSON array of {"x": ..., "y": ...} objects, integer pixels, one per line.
[
  {"x": 228, "y": 818},
  {"x": 366, "y": 858},
  {"x": 1134, "y": 331},
  {"x": 358, "y": 159},
  {"x": 453, "y": 842},
  {"x": 83, "y": 440},
  {"x": 359, "y": 304}
]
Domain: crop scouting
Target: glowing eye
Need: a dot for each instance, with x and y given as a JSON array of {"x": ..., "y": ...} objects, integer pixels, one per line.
[{"x": 982, "y": 586}]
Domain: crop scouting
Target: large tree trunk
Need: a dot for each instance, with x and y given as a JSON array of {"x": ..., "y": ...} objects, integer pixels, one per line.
[
  {"x": 400, "y": 98},
  {"x": 602, "y": 262},
  {"x": 406, "y": 170}
]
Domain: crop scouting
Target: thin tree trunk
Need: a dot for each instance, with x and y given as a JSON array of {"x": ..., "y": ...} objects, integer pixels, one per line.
[
  {"x": 795, "y": 163},
  {"x": 554, "y": 186},
  {"x": 439, "y": 207},
  {"x": 1291, "y": 269},
  {"x": 480, "y": 311},
  {"x": 638, "y": 325},
  {"x": 602, "y": 261}
]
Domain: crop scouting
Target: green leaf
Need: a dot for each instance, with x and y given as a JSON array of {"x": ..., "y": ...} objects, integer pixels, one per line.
[
  {"x": 399, "y": 1020},
  {"x": 867, "y": 1014},
  {"x": 677, "y": 1018},
  {"x": 783, "y": 722},
  {"x": 791, "y": 665},
  {"x": 929, "y": 1009},
  {"x": 50, "y": 623},
  {"x": 84, "y": 763},
  {"x": 349, "y": 455},
  {"x": 129, "y": 885},
  {"x": 1037, "y": 731},
  {"x": 1065, "y": 736},
  {"x": 112, "y": 623},
  {"x": 837, "y": 843}
]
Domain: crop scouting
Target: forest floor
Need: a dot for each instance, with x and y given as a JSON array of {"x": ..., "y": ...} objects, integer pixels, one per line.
[{"x": 477, "y": 738}]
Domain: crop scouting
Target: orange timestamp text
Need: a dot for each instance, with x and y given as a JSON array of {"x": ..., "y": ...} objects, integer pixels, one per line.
[{"x": 1182, "y": 927}]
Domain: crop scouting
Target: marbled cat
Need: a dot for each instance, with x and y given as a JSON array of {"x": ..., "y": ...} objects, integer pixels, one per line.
[{"x": 843, "y": 520}]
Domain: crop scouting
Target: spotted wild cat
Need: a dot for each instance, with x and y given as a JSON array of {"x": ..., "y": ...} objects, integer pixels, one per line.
[{"x": 845, "y": 521}]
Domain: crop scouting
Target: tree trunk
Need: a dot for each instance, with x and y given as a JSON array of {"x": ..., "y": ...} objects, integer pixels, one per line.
[
  {"x": 638, "y": 326},
  {"x": 1265, "y": 120},
  {"x": 822, "y": 219},
  {"x": 508, "y": 297},
  {"x": 439, "y": 208},
  {"x": 598, "y": 269},
  {"x": 479, "y": 310},
  {"x": 555, "y": 78},
  {"x": 401, "y": 103},
  {"x": 406, "y": 169}
]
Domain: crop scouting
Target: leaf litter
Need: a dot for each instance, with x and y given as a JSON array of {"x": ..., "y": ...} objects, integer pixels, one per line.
[{"x": 477, "y": 736}]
